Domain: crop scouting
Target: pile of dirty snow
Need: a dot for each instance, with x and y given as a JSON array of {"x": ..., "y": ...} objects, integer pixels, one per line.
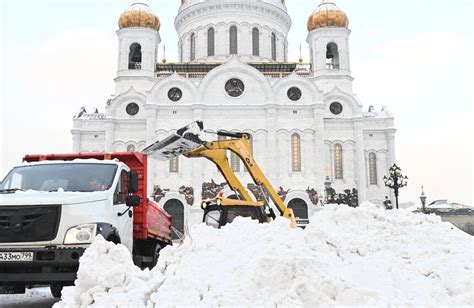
[{"x": 346, "y": 256}]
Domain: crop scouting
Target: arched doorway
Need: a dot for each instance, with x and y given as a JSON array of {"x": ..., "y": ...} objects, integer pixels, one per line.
[
  {"x": 299, "y": 207},
  {"x": 175, "y": 208}
]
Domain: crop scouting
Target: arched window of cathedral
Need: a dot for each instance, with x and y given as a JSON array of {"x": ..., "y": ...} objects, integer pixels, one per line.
[
  {"x": 332, "y": 56},
  {"x": 210, "y": 42},
  {"x": 174, "y": 165},
  {"x": 255, "y": 42},
  {"x": 338, "y": 161},
  {"x": 135, "y": 57},
  {"x": 295, "y": 153},
  {"x": 131, "y": 148},
  {"x": 373, "y": 168},
  {"x": 233, "y": 40},
  {"x": 274, "y": 48},
  {"x": 192, "y": 52}
]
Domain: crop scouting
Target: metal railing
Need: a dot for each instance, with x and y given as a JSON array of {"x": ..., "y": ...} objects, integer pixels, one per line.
[{"x": 200, "y": 75}]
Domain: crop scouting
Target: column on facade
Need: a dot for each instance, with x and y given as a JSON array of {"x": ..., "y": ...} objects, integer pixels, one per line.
[
  {"x": 318, "y": 142},
  {"x": 221, "y": 39},
  {"x": 200, "y": 43},
  {"x": 76, "y": 135},
  {"x": 245, "y": 39},
  {"x": 151, "y": 114},
  {"x": 391, "y": 148},
  {"x": 197, "y": 171},
  {"x": 360, "y": 160},
  {"x": 151, "y": 111},
  {"x": 307, "y": 151},
  {"x": 271, "y": 152},
  {"x": 109, "y": 135},
  {"x": 265, "y": 43},
  {"x": 283, "y": 155},
  {"x": 76, "y": 140}
]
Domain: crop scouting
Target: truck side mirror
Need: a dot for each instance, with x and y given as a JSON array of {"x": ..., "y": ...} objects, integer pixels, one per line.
[
  {"x": 133, "y": 182},
  {"x": 133, "y": 201}
]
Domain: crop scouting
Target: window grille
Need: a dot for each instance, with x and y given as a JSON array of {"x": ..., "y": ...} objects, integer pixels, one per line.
[
  {"x": 373, "y": 168},
  {"x": 338, "y": 161},
  {"x": 174, "y": 165},
  {"x": 295, "y": 153}
]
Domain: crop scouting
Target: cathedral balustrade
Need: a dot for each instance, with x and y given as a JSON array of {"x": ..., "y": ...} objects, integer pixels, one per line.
[
  {"x": 200, "y": 70},
  {"x": 200, "y": 75}
]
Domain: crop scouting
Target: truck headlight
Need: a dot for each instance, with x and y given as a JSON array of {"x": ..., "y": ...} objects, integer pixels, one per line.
[{"x": 82, "y": 234}]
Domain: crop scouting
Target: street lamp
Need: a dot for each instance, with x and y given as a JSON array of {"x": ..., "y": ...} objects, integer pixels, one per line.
[
  {"x": 327, "y": 186},
  {"x": 423, "y": 199},
  {"x": 327, "y": 189},
  {"x": 395, "y": 180}
]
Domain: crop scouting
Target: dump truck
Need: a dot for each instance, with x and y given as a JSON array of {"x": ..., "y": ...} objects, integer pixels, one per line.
[
  {"x": 53, "y": 206},
  {"x": 220, "y": 211}
]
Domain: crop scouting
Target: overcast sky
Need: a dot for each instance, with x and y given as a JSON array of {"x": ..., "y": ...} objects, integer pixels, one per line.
[{"x": 413, "y": 56}]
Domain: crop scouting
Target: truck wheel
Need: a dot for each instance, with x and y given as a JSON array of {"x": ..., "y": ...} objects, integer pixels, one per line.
[
  {"x": 156, "y": 255},
  {"x": 56, "y": 290}
]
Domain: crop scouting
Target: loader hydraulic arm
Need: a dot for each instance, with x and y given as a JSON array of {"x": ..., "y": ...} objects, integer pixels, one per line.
[
  {"x": 215, "y": 152},
  {"x": 219, "y": 158}
]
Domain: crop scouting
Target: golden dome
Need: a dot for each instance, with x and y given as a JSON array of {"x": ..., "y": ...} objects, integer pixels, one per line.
[
  {"x": 327, "y": 15},
  {"x": 139, "y": 15}
]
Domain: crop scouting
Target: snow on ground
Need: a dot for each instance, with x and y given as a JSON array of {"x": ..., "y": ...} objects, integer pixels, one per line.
[
  {"x": 346, "y": 256},
  {"x": 39, "y": 297}
]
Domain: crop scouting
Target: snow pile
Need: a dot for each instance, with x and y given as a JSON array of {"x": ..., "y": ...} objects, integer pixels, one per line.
[
  {"x": 346, "y": 256},
  {"x": 108, "y": 276}
]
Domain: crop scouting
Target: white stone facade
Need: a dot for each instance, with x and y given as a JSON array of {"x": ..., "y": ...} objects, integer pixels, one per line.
[{"x": 264, "y": 109}]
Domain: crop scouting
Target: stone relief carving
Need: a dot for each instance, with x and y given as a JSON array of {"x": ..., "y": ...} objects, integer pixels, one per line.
[
  {"x": 282, "y": 193},
  {"x": 159, "y": 193},
  {"x": 188, "y": 193},
  {"x": 211, "y": 189},
  {"x": 313, "y": 195}
]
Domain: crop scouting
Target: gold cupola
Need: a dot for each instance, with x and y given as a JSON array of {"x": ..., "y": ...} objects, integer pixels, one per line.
[
  {"x": 139, "y": 15},
  {"x": 327, "y": 15}
]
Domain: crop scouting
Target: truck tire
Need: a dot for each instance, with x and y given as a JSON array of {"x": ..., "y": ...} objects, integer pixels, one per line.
[
  {"x": 56, "y": 289},
  {"x": 156, "y": 255}
]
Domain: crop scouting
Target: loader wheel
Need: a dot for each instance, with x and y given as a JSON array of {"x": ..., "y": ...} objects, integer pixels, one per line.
[{"x": 56, "y": 289}]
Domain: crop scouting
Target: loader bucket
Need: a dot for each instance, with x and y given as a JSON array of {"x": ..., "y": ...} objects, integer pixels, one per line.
[{"x": 184, "y": 140}]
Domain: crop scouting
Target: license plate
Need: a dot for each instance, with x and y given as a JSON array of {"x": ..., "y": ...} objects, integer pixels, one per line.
[{"x": 16, "y": 256}]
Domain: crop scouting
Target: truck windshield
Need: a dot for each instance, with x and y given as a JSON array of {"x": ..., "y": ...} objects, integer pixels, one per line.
[{"x": 68, "y": 177}]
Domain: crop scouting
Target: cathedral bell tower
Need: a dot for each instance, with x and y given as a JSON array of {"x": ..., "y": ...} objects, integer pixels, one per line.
[
  {"x": 328, "y": 40},
  {"x": 139, "y": 39}
]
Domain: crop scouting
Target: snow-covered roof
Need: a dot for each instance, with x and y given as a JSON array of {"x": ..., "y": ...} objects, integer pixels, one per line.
[
  {"x": 444, "y": 204},
  {"x": 383, "y": 113}
]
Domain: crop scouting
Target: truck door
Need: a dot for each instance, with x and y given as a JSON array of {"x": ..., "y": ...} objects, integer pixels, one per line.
[{"x": 124, "y": 222}]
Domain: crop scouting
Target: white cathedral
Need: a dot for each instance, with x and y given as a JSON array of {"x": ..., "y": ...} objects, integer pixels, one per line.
[{"x": 306, "y": 123}]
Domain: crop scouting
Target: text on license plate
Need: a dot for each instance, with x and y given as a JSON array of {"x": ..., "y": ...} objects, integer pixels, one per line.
[{"x": 16, "y": 256}]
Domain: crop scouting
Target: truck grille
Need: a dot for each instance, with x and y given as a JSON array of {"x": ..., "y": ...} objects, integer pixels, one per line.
[{"x": 29, "y": 223}]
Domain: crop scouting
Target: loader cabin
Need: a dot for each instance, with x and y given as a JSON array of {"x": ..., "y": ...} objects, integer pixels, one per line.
[{"x": 220, "y": 211}]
